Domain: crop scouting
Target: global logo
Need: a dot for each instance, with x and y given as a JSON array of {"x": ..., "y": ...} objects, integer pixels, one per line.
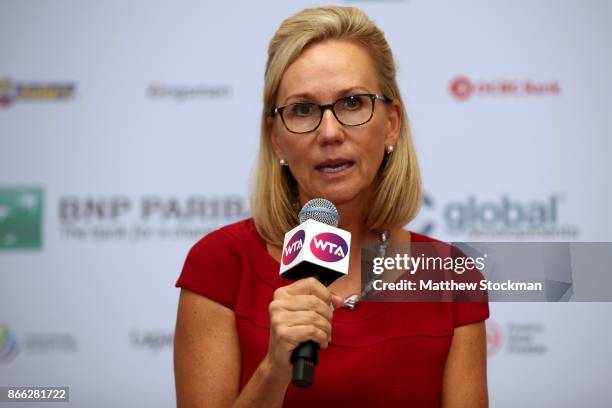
[
  {"x": 8, "y": 343},
  {"x": 505, "y": 216},
  {"x": 329, "y": 247},
  {"x": 506, "y": 213},
  {"x": 293, "y": 247}
]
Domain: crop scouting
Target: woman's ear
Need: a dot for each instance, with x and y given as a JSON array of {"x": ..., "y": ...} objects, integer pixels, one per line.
[{"x": 394, "y": 123}]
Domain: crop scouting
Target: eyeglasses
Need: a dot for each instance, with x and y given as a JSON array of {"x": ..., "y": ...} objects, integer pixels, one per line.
[{"x": 305, "y": 117}]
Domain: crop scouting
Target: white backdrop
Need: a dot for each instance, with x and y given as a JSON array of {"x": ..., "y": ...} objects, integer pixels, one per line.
[{"x": 129, "y": 130}]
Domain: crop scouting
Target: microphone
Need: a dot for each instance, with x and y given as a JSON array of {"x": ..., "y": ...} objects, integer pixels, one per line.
[{"x": 315, "y": 248}]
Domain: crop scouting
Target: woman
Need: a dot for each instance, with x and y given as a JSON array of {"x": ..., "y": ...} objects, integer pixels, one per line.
[{"x": 333, "y": 126}]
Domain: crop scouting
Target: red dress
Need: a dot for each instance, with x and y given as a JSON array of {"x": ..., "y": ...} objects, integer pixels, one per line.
[{"x": 380, "y": 355}]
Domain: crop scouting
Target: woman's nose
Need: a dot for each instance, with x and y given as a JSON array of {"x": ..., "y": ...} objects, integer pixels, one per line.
[{"x": 330, "y": 130}]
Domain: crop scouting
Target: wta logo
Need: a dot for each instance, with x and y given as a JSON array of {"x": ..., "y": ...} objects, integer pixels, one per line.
[
  {"x": 329, "y": 247},
  {"x": 293, "y": 247}
]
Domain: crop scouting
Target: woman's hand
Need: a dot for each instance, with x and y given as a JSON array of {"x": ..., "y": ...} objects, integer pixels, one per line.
[{"x": 299, "y": 312}]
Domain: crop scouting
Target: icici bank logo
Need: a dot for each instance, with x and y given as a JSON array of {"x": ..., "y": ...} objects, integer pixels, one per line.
[
  {"x": 329, "y": 247},
  {"x": 293, "y": 247},
  {"x": 462, "y": 88}
]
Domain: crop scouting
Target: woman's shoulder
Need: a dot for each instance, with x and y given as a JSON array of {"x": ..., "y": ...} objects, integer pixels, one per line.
[
  {"x": 239, "y": 234},
  {"x": 239, "y": 229},
  {"x": 213, "y": 267}
]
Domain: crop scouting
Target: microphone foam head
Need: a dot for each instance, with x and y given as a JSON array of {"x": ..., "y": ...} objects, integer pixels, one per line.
[{"x": 322, "y": 210}]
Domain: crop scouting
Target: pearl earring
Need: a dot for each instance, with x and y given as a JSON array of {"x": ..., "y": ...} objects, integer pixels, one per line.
[
  {"x": 390, "y": 149},
  {"x": 283, "y": 162}
]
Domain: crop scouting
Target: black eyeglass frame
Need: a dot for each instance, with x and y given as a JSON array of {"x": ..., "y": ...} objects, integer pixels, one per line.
[{"x": 323, "y": 108}]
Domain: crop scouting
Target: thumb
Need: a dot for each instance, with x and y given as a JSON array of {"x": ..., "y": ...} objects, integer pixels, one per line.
[{"x": 337, "y": 301}]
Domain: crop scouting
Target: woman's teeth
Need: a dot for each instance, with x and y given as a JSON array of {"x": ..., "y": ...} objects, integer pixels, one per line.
[{"x": 335, "y": 169}]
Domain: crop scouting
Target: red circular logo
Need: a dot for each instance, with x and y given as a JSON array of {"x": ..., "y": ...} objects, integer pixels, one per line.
[{"x": 461, "y": 88}]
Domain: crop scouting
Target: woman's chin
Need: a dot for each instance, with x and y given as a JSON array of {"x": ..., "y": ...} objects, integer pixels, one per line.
[{"x": 340, "y": 196}]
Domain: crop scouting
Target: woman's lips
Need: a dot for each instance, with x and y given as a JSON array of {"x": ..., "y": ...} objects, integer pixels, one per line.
[{"x": 336, "y": 169}]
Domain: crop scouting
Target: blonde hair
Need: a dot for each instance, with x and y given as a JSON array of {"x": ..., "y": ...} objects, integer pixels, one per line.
[{"x": 397, "y": 197}]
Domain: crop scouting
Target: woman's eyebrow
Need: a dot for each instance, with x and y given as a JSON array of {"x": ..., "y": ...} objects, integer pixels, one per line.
[
  {"x": 339, "y": 94},
  {"x": 303, "y": 95}
]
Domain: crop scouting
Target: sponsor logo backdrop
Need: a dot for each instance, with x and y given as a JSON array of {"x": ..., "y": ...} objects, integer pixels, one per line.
[{"x": 130, "y": 130}]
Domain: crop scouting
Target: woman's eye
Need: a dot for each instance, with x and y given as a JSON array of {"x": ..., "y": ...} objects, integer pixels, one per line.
[
  {"x": 303, "y": 109},
  {"x": 352, "y": 103}
]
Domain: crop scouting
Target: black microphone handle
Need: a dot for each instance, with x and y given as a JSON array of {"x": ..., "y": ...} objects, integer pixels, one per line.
[{"x": 304, "y": 359}]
